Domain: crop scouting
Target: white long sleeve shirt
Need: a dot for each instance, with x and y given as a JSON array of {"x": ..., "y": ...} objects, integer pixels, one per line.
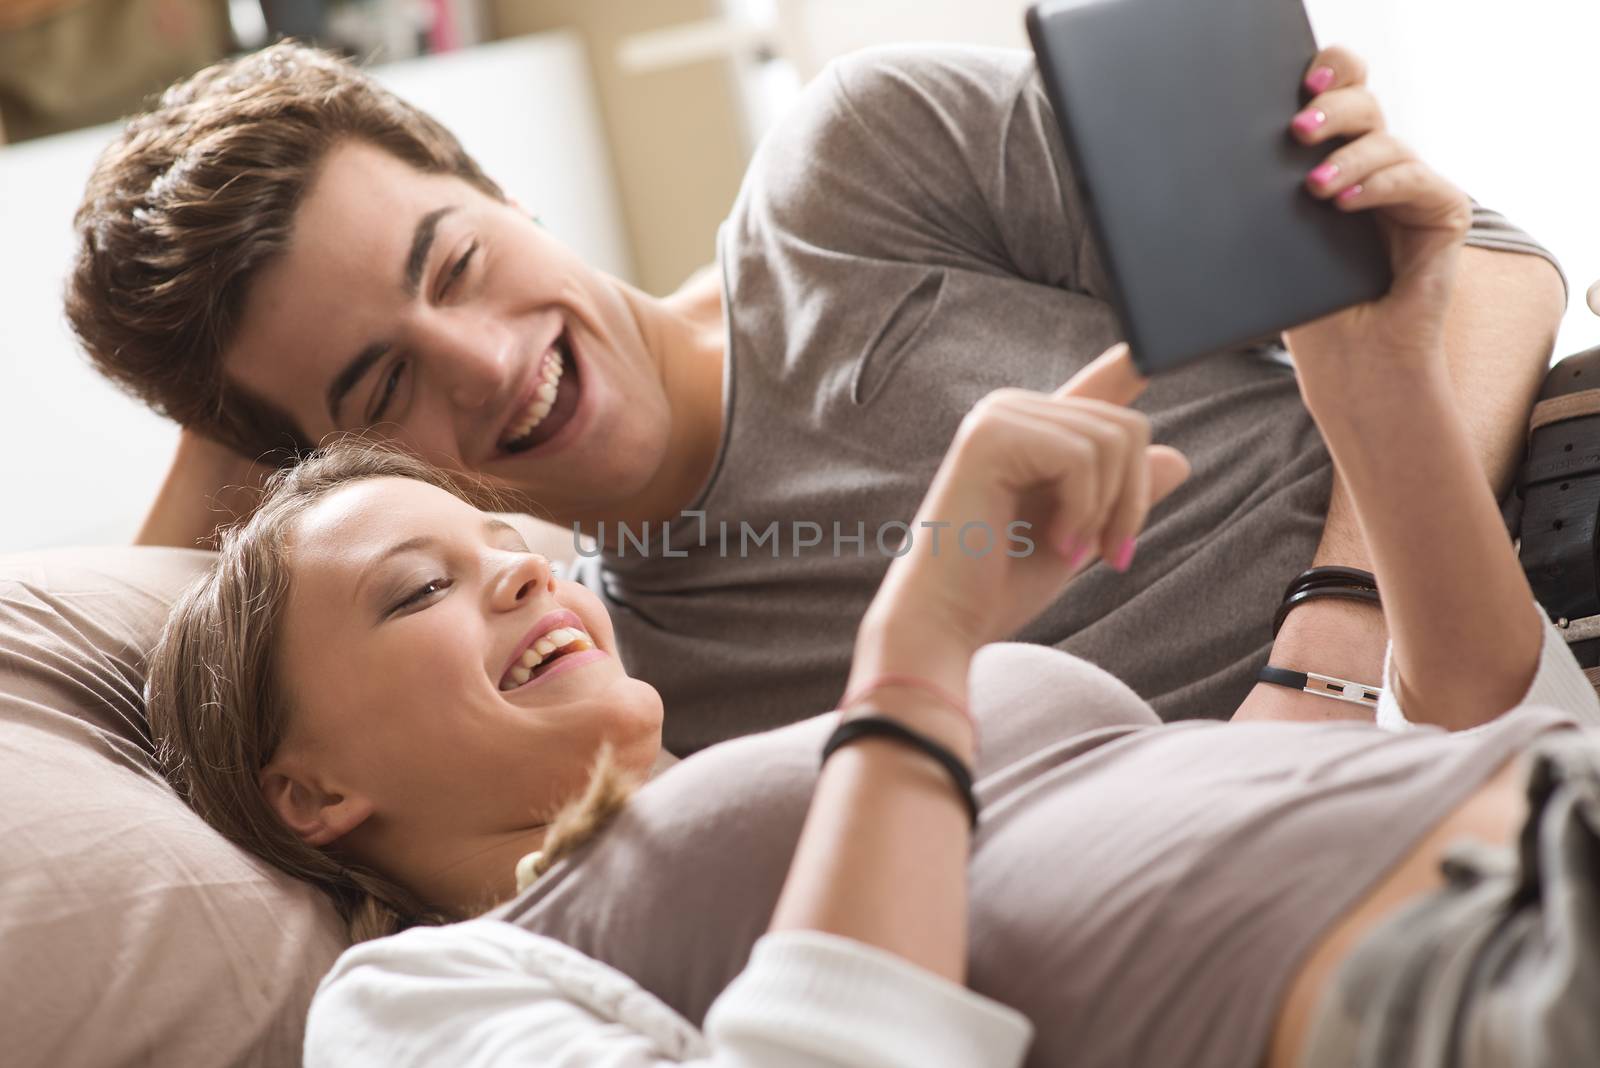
[
  {"x": 1558, "y": 682},
  {"x": 485, "y": 993}
]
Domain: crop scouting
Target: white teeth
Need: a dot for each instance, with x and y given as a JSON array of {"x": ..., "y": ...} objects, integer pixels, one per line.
[
  {"x": 536, "y": 653},
  {"x": 543, "y": 399}
]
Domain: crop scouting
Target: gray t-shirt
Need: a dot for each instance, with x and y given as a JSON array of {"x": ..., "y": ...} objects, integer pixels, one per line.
[
  {"x": 906, "y": 241},
  {"x": 1143, "y": 893}
]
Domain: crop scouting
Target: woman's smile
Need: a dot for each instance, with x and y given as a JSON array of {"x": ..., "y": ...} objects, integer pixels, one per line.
[
  {"x": 558, "y": 642},
  {"x": 564, "y": 663}
]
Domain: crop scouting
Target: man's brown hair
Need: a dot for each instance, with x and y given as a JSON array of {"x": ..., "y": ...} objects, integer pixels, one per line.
[{"x": 195, "y": 197}]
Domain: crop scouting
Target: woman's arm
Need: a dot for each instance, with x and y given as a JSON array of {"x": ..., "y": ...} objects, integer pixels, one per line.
[
  {"x": 1461, "y": 618},
  {"x": 1500, "y": 331},
  {"x": 882, "y": 857}
]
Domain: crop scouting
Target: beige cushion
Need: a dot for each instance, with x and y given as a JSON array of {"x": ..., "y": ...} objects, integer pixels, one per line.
[{"x": 131, "y": 932}]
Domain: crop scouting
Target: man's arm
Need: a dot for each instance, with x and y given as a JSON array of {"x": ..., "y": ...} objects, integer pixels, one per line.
[
  {"x": 207, "y": 486},
  {"x": 1500, "y": 333}
]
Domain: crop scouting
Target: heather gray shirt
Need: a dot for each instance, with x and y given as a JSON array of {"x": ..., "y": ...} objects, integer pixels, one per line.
[{"x": 906, "y": 241}]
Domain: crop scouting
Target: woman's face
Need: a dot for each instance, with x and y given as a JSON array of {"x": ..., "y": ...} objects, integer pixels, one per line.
[{"x": 407, "y": 614}]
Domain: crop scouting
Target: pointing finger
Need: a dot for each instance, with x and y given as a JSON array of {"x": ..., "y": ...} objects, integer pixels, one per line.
[{"x": 1110, "y": 377}]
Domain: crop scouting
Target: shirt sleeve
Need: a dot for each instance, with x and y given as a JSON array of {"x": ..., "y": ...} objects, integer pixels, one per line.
[
  {"x": 1558, "y": 683},
  {"x": 953, "y": 156},
  {"x": 939, "y": 156},
  {"x": 487, "y": 993},
  {"x": 1495, "y": 232}
]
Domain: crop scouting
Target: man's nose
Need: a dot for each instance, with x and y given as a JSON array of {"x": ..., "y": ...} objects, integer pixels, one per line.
[{"x": 474, "y": 359}]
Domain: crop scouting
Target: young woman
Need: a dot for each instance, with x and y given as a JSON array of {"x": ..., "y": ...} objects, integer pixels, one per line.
[{"x": 351, "y": 695}]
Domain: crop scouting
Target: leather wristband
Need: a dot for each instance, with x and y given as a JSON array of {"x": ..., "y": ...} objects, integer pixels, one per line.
[
  {"x": 1321, "y": 685},
  {"x": 1331, "y": 575},
  {"x": 1312, "y": 593},
  {"x": 852, "y": 730}
]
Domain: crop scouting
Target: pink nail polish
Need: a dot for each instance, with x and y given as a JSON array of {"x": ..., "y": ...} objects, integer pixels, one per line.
[
  {"x": 1069, "y": 549},
  {"x": 1349, "y": 194},
  {"x": 1319, "y": 80},
  {"x": 1307, "y": 121},
  {"x": 1077, "y": 558},
  {"x": 1124, "y": 558},
  {"x": 1325, "y": 173}
]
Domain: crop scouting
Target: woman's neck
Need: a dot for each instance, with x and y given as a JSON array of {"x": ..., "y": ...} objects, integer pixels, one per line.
[{"x": 480, "y": 870}]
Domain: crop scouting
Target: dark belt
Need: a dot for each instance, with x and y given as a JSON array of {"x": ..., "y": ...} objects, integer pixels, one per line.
[{"x": 1559, "y": 485}]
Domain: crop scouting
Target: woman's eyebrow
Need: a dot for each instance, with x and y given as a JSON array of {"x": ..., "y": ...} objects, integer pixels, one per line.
[
  {"x": 421, "y": 541},
  {"x": 491, "y": 525},
  {"x": 495, "y": 526}
]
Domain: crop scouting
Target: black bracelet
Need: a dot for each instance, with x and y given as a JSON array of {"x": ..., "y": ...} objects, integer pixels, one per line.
[
  {"x": 865, "y": 726},
  {"x": 1350, "y": 583},
  {"x": 1300, "y": 597},
  {"x": 1352, "y": 578}
]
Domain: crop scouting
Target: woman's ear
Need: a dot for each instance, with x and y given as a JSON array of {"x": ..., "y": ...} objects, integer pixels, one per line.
[{"x": 318, "y": 815}]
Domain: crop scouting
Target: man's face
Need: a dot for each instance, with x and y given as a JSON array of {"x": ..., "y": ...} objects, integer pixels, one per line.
[{"x": 441, "y": 318}]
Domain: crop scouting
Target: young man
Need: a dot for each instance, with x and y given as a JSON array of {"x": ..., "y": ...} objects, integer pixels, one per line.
[{"x": 282, "y": 250}]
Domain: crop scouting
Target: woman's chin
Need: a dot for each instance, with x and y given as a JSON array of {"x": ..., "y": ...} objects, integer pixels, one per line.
[{"x": 638, "y": 738}]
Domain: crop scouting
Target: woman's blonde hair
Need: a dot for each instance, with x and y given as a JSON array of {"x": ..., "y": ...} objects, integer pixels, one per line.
[{"x": 218, "y": 709}]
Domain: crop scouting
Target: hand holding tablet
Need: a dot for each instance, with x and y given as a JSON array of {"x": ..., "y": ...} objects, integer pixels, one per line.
[{"x": 1176, "y": 116}]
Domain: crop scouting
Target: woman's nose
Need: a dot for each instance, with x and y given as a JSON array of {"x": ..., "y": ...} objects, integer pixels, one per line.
[{"x": 524, "y": 577}]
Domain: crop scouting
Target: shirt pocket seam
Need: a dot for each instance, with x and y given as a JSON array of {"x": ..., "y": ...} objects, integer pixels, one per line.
[{"x": 897, "y": 336}]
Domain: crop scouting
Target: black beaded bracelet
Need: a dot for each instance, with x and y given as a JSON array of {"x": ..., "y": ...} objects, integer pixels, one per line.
[{"x": 881, "y": 726}]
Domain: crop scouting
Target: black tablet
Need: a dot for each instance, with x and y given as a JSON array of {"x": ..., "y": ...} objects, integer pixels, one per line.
[{"x": 1175, "y": 115}]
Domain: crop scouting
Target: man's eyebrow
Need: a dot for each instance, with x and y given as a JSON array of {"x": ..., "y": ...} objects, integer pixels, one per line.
[
  {"x": 491, "y": 525},
  {"x": 421, "y": 245},
  {"x": 416, "y": 260},
  {"x": 352, "y": 373}
]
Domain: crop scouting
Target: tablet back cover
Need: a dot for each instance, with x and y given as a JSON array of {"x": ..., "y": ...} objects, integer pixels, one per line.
[{"x": 1175, "y": 114}]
